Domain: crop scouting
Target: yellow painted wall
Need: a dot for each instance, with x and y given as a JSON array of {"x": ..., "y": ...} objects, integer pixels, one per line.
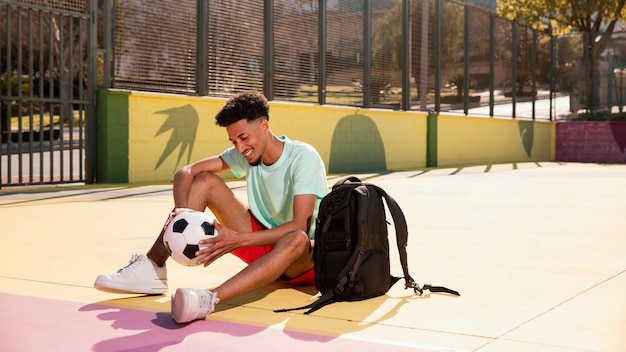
[
  {"x": 159, "y": 122},
  {"x": 466, "y": 140},
  {"x": 403, "y": 134},
  {"x": 160, "y": 133},
  {"x": 150, "y": 159}
]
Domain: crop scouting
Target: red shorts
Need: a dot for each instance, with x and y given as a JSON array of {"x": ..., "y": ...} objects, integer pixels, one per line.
[{"x": 250, "y": 254}]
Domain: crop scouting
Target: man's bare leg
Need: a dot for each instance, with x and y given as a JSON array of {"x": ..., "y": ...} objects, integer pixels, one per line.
[
  {"x": 208, "y": 190},
  {"x": 291, "y": 256},
  {"x": 147, "y": 273}
]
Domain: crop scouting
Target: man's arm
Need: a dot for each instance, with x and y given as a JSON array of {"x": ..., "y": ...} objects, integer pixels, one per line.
[{"x": 228, "y": 240}]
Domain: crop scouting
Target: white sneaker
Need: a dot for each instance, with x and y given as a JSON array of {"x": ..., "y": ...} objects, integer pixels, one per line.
[
  {"x": 140, "y": 276},
  {"x": 189, "y": 304}
]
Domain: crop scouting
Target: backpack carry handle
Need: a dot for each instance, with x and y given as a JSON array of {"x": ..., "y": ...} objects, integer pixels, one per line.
[{"x": 347, "y": 179}]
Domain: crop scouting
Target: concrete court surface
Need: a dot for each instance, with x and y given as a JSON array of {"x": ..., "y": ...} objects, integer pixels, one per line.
[{"x": 537, "y": 251}]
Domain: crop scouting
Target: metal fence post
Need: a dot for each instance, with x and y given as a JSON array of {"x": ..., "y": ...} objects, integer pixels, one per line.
[
  {"x": 438, "y": 55},
  {"x": 466, "y": 74},
  {"x": 406, "y": 56},
  {"x": 91, "y": 152},
  {"x": 367, "y": 54},
  {"x": 492, "y": 49},
  {"x": 108, "y": 14},
  {"x": 514, "y": 69},
  {"x": 321, "y": 53},
  {"x": 423, "y": 87},
  {"x": 268, "y": 62},
  {"x": 202, "y": 47},
  {"x": 533, "y": 93},
  {"x": 552, "y": 72}
]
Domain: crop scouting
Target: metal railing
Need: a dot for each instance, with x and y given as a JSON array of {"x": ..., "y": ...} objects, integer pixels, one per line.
[
  {"x": 429, "y": 55},
  {"x": 45, "y": 93}
]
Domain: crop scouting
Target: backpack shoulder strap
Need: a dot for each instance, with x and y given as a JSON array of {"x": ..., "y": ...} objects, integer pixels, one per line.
[
  {"x": 402, "y": 238},
  {"x": 402, "y": 233},
  {"x": 326, "y": 299}
]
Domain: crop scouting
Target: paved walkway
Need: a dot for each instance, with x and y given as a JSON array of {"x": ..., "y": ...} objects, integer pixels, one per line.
[{"x": 537, "y": 251}]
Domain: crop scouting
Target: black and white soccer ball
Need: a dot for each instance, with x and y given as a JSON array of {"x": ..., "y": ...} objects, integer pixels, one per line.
[{"x": 183, "y": 233}]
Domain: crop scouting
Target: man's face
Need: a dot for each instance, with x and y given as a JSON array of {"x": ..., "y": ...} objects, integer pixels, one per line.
[{"x": 250, "y": 139}]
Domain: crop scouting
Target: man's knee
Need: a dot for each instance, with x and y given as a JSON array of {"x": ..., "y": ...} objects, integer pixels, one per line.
[
  {"x": 209, "y": 185},
  {"x": 297, "y": 242},
  {"x": 206, "y": 190},
  {"x": 207, "y": 179},
  {"x": 297, "y": 246}
]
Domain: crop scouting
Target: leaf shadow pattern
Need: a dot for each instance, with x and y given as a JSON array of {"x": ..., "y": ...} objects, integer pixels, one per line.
[
  {"x": 183, "y": 123},
  {"x": 618, "y": 129},
  {"x": 527, "y": 134}
]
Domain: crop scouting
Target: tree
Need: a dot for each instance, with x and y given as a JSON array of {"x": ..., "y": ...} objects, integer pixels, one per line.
[
  {"x": 595, "y": 20},
  {"x": 387, "y": 44},
  {"x": 52, "y": 47}
]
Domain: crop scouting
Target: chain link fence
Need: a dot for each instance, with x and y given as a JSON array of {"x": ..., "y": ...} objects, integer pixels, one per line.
[
  {"x": 155, "y": 45},
  {"x": 437, "y": 55},
  {"x": 595, "y": 80},
  {"x": 427, "y": 55}
]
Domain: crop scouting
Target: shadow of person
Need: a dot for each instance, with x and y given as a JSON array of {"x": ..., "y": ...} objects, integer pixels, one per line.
[
  {"x": 346, "y": 318},
  {"x": 350, "y": 317},
  {"x": 149, "y": 336},
  {"x": 144, "y": 322},
  {"x": 142, "y": 330},
  {"x": 277, "y": 288}
]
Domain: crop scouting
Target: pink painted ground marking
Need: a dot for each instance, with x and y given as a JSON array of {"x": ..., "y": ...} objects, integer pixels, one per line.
[{"x": 36, "y": 324}]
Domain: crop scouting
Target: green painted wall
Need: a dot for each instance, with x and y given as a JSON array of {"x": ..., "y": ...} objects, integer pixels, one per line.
[
  {"x": 112, "y": 144},
  {"x": 431, "y": 140},
  {"x": 146, "y": 137}
]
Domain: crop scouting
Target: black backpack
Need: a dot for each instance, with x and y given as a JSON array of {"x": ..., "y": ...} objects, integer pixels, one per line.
[{"x": 351, "y": 251}]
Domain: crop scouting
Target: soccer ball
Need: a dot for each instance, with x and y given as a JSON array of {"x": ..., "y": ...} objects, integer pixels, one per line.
[{"x": 183, "y": 233}]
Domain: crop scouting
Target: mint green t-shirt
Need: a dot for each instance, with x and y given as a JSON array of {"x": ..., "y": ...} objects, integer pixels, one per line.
[{"x": 271, "y": 189}]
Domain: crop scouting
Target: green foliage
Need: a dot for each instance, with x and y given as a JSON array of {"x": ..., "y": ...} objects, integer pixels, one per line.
[
  {"x": 15, "y": 85},
  {"x": 564, "y": 15},
  {"x": 595, "y": 20},
  {"x": 459, "y": 81},
  {"x": 604, "y": 116},
  {"x": 16, "y": 88},
  {"x": 387, "y": 44}
]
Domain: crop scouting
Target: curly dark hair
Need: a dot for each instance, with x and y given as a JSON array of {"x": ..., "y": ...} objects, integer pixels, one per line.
[{"x": 250, "y": 105}]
